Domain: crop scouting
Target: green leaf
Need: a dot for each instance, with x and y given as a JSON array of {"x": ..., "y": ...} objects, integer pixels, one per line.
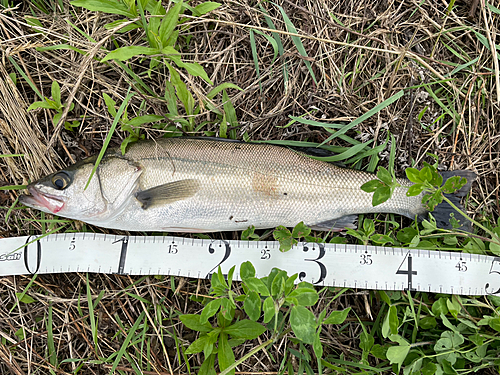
[
  {"x": 384, "y": 175},
  {"x": 204, "y": 8},
  {"x": 301, "y": 230},
  {"x": 337, "y": 317},
  {"x": 257, "y": 285},
  {"x": 414, "y": 190},
  {"x": 252, "y": 305},
  {"x": 225, "y": 354},
  {"x": 495, "y": 323},
  {"x": 305, "y": 296},
  {"x": 197, "y": 346},
  {"x": 284, "y": 237},
  {"x": 247, "y": 270},
  {"x": 106, "y": 6},
  {"x": 494, "y": 248},
  {"x": 192, "y": 321},
  {"x": 245, "y": 329},
  {"x": 227, "y": 308},
  {"x": 248, "y": 234},
  {"x": 303, "y": 324},
  {"x": 230, "y": 114},
  {"x": 366, "y": 341},
  {"x": 413, "y": 175},
  {"x": 169, "y": 23},
  {"x": 36, "y": 105},
  {"x": 222, "y": 86},
  {"x": 397, "y": 354},
  {"x": 24, "y": 298},
  {"x": 268, "y": 308},
  {"x": 139, "y": 120},
  {"x": 381, "y": 195},
  {"x": 453, "y": 184},
  {"x": 125, "y": 53},
  {"x": 440, "y": 307},
  {"x": 425, "y": 174},
  {"x": 210, "y": 310},
  {"x": 110, "y": 103},
  {"x": 56, "y": 93},
  {"x": 371, "y": 186}
]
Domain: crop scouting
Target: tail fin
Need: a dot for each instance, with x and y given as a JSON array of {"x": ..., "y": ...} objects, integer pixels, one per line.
[{"x": 443, "y": 210}]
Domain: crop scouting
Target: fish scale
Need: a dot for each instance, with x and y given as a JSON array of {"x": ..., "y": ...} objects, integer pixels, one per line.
[{"x": 206, "y": 185}]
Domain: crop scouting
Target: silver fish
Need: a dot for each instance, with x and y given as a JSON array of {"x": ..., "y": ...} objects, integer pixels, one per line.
[{"x": 206, "y": 185}]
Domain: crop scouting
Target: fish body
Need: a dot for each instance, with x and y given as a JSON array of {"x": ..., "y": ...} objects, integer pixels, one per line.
[{"x": 205, "y": 185}]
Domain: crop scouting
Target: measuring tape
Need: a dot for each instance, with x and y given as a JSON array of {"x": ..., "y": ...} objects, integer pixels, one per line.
[{"x": 337, "y": 265}]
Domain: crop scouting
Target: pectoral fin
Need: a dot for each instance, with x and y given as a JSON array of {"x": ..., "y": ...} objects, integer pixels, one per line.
[{"x": 168, "y": 193}]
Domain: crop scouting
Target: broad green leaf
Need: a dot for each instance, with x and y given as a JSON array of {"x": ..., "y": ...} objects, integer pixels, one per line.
[
  {"x": 303, "y": 324},
  {"x": 384, "y": 175},
  {"x": 169, "y": 23},
  {"x": 381, "y": 195},
  {"x": 301, "y": 230},
  {"x": 197, "y": 346},
  {"x": 425, "y": 174},
  {"x": 225, "y": 354},
  {"x": 210, "y": 310},
  {"x": 106, "y": 6},
  {"x": 257, "y": 285},
  {"x": 204, "y": 8},
  {"x": 371, "y": 186},
  {"x": 305, "y": 296},
  {"x": 117, "y": 23},
  {"x": 268, "y": 308},
  {"x": 252, "y": 305},
  {"x": 397, "y": 354},
  {"x": 366, "y": 341},
  {"x": 439, "y": 307},
  {"x": 227, "y": 308},
  {"x": 415, "y": 190},
  {"x": 247, "y": 270},
  {"x": 125, "y": 53},
  {"x": 337, "y": 317},
  {"x": 192, "y": 321},
  {"x": 413, "y": 175},
  {"x": 278, "y": 284},
  {"x": 284, "y": 237},
  {"x": 245, "y": 329}
]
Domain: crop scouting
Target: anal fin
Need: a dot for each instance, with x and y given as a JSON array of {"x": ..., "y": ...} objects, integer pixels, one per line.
[
  {"x": 336, "y": 225},
  {"x": 168, "y": 193}
]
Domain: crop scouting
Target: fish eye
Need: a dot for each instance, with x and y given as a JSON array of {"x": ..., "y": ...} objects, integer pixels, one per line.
[{"x": 60, "y": 181}]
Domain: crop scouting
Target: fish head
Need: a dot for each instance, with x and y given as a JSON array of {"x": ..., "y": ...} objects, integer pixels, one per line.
[{"x": 69, "y": 193}]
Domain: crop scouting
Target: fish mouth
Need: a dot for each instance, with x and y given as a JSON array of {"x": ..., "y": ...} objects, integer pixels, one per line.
[{"x": 43, "y": 201}]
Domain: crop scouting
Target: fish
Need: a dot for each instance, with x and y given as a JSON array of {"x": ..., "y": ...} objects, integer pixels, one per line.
[{"x": 210, "y": 185}]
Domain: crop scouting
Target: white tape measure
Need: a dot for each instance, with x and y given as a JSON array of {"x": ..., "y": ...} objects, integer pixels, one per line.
[{"x": 353, "y": 266}]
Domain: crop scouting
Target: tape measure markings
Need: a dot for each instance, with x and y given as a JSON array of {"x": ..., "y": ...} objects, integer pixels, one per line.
[{"x": 339, "y": 265}]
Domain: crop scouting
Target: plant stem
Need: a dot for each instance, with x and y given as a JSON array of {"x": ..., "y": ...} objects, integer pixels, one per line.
[
  {"x": 493, "y": 235},
  {"x": 246, "y": 356}
]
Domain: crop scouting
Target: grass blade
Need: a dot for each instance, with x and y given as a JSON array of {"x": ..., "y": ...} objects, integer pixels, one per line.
[
  {"x": 255, "y": 58},
  {"x": 297, "y": 41},
  {"x": 367, "y": 115},
  {"x": 111, "y": 131}
]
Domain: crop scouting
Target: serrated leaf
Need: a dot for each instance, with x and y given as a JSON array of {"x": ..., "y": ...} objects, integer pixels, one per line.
[
  {"x": 371, "y": 186},
  {"x": 125, "y": 53}
]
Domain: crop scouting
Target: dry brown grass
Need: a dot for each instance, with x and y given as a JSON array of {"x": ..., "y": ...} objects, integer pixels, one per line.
[{"x": 362, "y": 52}]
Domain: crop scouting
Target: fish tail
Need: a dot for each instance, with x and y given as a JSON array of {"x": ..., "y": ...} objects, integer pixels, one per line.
[{"x": 443, "y": 210}]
